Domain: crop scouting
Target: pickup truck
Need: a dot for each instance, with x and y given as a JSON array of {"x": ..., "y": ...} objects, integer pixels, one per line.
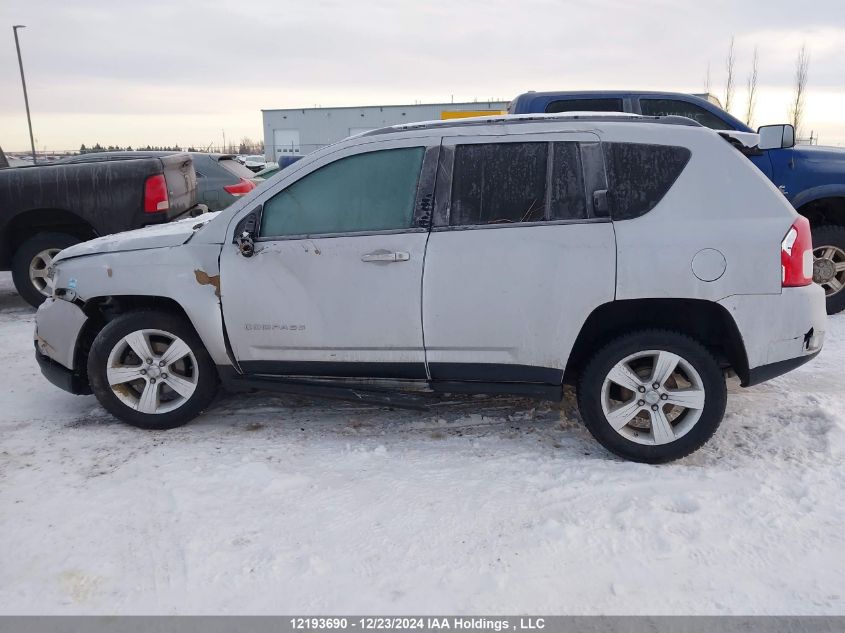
[
  {"x": 811, "y": 177},
  {"x": 45, "y": 208}
]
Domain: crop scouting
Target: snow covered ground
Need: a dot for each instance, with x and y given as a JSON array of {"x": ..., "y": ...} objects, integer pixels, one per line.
[{"x": 278, "y": 504}]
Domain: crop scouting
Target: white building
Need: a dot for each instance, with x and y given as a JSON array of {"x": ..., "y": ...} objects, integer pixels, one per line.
[{"x": 301, "y": 130}]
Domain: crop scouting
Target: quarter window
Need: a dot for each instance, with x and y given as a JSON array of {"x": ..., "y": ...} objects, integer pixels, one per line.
[
  {"x": 365, "y": 192},
  {"x": 639, "y": 175},
  {"x": 666, "y": 107},
  {"x": 506, "y": 183}
]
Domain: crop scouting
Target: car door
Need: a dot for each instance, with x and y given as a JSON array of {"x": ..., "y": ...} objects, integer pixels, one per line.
[
  {"x": 520, "y": 253},
  {"x": 333, "y": 287}
]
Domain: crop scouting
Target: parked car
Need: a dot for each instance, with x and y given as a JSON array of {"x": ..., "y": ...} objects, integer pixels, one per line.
[
  {"x": 220, "y": 178},
  {"x": 494, "y": 256},
  {"x": 274, "y": 168},
  {"x": 812, "y": 178},
  {"x": 46, "y": 208},
  {"x": 255, "y": 163}
]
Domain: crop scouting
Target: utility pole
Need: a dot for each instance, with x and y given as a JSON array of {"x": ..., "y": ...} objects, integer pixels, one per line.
[{"x": 25, "y": 97}]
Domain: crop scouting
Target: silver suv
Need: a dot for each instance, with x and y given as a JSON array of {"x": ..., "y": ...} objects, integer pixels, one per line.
[{"x": 640, "y": 258}]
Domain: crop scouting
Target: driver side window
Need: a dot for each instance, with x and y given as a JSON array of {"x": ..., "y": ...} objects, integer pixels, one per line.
[{"x": 374, "y": 191}]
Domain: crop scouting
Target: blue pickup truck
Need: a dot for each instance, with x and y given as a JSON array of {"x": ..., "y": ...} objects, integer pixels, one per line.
[{"x": 811, "y": 177}]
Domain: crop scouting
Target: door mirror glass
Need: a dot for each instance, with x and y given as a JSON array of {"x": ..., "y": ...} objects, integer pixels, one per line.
[{"x": 776, "y": 136}]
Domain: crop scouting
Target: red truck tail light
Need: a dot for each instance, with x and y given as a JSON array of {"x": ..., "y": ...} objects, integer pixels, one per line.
[
  {"x": 796, "y": 255},
  {"x": 243, "y": 187},
  {"x": 155, "y": 194}
]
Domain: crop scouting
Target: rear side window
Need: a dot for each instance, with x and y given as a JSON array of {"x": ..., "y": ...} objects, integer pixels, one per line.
[
  {"x": 499, "y": 183},
  {"x": 664, "y": 107},
  {"x": 507, "y": 183},
  {"x": 585, "y": 105},
  {"x": 235, "y": 168},
  {"x": 639, "y": 175}
]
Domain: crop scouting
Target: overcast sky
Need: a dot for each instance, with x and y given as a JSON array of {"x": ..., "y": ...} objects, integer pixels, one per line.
[{"x": 181, "y": 71}]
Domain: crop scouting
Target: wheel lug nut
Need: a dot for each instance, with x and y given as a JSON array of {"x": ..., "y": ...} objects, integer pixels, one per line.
[
  {"x": 654, "y": 407},
  {"x": 640, "y": 403},
  {"x": 143, "y": 372},
  {"x": 664, "y": 397},
  {"x": 161, "y": 363},
  {"x": 641, "y": 389},
  {"x": 164, "y": 376},
  {"x": 152, "y": 380},
  {"x": 149, "y": 361},
  {"x": 656, "y": 385}
]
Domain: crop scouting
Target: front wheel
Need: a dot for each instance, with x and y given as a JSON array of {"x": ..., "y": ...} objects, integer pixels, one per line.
[
  {"x": 652, "y": 396},
  {"x": 150, "y": 369}
]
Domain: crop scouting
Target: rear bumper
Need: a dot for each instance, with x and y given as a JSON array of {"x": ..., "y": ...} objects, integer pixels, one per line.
[
  {"x": 773, "y": 370},
  {"x": 779, "y": 332}
]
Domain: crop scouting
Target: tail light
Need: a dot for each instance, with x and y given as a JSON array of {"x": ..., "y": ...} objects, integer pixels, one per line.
[
  {"x": 244, "y": 186},
  {"x": 155, "y": 194},
  {"x": 796, "y": 255}
]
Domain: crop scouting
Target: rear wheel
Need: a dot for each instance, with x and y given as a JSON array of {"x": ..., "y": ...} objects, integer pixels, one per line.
[
  {"x": 32, "y": 265},
  {"x": 151, "y": 369},
  {"x": 652, "y": 396},
  {"x": 829, "y": 264}
]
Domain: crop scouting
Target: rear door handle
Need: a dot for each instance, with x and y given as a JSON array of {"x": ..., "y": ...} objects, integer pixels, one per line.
[{"x": 385, "y": 256}]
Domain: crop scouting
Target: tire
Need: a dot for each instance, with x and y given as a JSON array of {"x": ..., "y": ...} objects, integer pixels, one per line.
[
  {"x": 29, "y": 257},
  {"x": 146, "y": 398},
  {"x": 829, "y": 244},
  {"x": 641, "y": 440}
]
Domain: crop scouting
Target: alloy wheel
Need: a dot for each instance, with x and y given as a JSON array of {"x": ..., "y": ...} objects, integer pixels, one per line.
[
  {"x": 652, "y": 397},
  {"x": 152, "y": 371},
  {"x": 41, "y": 271},
  {"x": 829, "y": 268}
]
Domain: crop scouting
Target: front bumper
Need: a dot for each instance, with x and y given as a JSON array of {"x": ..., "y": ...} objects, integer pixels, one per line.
[
  {"x": 62, "y": 377},
  {"x": 58, "y": 325}
]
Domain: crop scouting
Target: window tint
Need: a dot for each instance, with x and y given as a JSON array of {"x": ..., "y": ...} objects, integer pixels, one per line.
[
  {"x": 567, "y": 199},
  {"x": 499, "y": 182},
  {"x": 664, "y": 107},
  {"x": 496, "y": 183},
  {"x": 640, "y": 175},
  {"x": 585, "y": 105},
  {"x": 365, "y": 192}
]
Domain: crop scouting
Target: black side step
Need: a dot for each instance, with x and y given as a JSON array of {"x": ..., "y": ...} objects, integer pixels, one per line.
[
  {"x": 529, "y": 390},
  {"x": 330, "y": 390}
]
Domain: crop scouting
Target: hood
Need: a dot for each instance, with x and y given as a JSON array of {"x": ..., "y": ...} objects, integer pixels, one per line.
[
  {"x": 156, "y": 236},
  {"x": 820, "y": 153}
]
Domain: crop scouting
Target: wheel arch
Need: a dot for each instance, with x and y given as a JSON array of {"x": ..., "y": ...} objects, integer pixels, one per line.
[
  {"x": 826, "y": 208},
  {"x": 706, "y": 321},
  {"x": 31, "y": 222},
  {"x": 100, "y": 310}
]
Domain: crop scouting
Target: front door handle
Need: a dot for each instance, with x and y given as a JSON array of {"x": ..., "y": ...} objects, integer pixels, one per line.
[{"x": 385, "y": 256}]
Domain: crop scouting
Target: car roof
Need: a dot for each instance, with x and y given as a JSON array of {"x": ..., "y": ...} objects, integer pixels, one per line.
[{"x": 608, "y": 93}]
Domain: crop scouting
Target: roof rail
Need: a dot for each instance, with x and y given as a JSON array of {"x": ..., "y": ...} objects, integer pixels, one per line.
[{"x": 511, "y": 119}]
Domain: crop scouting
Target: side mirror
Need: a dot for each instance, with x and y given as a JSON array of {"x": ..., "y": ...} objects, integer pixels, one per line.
[
  {"x": 776, "y": 136},
  {"x": 246, "y": 231}
]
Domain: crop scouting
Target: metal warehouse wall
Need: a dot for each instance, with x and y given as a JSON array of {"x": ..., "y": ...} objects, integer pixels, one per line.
[{"x": 302, "y": 130}]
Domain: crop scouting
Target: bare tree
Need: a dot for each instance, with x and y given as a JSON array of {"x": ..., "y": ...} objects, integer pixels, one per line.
[
  {"x": 751, "y": 84},
  {"x": 730, "y": 61},
  {"x": 707, "y": 80},
  {"x": 796, "y": 110}
]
